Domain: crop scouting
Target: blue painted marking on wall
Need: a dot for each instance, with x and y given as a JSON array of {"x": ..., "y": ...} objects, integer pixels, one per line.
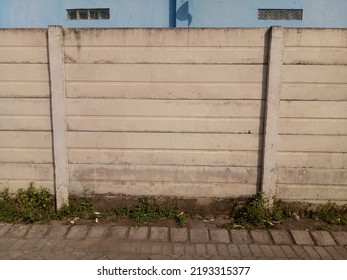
[{"x": 171, "y": 13}]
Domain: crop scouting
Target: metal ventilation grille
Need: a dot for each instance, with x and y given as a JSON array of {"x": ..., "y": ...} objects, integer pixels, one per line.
[
  {"x": 88, "y": 14},
  {"x": 280, "y": 14}
]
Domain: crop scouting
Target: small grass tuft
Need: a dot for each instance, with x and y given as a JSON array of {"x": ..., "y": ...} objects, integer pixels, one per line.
[
  {"x": 257, "y": 213},
  {"x": 329, "y": 213}
]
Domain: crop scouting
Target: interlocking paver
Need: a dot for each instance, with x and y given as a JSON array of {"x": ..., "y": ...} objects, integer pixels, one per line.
[
  {"x": 200, "y": 249},
  {"x": 33, "y": 244},
  {"x": 211, "y": 250},
  {"x": 77, "y": 232},
  {"x": 312, "y": 252},
  {"x": 245, "y": 251},
  {"x": 261, "y": 237},
  {"x": 342, "y": 251},
  {"x": 179, "y": 249},
  {"x": 333, "y": 252},
  {"x": 302, "y": 237},
  {"x": 323, "y": 253},
  {"x": 138, "y": 233},
  {"x": 340, "y": 237},
  {"x": 222, "y": 249},
  {"x": 279, "y": 254},
  {"x": 117, "y": 242},
  {"x": 18, "y": 231},
  {"x": 199, "y": 235},
  {"x": 281, "y": 237},
  {"x": 301, "y": 253},
  {"x": 234, "y": 251},
  {"x": 179, "y": 234},
  {"x": 159, "y": 234},
  {"x": 189, "y": 249},
  {"x": 97, "y": 232},
  {"x": 240, "y": 236},
  {"x": 4, "y": 228},
  {"x": 58, "y": 231},
  {"x": 268, "y": 254},
  {"x": 168, "y": 249},
  {"x": 157, "y": 249},
  {"x": 37, "y": 232},
  {"x": 219, "y": 235},
  {"x": 323, "y": 238},
  {"x": 289, "y": 252},
  {"x": 119, "y": 232},
  {"x": 256, "y": 251}
]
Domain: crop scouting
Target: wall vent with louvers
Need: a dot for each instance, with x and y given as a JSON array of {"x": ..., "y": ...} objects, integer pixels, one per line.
[
  {"x": 88, "y": 14},
  {"x": 280, "y": 14}
]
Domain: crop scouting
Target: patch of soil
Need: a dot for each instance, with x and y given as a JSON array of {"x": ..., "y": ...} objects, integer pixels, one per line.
[{"x": 214, "y": 221}]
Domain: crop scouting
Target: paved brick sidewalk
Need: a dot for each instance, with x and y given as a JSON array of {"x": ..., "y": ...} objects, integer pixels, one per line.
[{"x": 118, "y": 242}]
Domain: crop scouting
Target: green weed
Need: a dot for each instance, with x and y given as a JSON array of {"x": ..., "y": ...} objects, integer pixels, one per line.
[
  {"x": 256, "y": 212},
  {"x": 329, "y": 213},
  {"x": 28, "y": 206}
]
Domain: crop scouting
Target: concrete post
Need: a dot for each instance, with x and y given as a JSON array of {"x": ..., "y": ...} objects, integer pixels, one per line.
[
  {"x": 272, "y": 108},
  {"x": 58, "y": 102}
]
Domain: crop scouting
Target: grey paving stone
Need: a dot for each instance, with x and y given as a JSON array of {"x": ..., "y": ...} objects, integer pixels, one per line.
[
  {"x": 256, "y": 251},
  {"x": 268, "y": 254},
  {"x": 17, "y": 245},
  {"x": 200, "y": 249},
  {"x": 342, "y": 251},
  {"x": 91, "y": 256},
  {"x": 340, "y": 237},
  {"x": 189, "y": 249},
  {"x": 138, "y": 233},
  {"x": 37, "y": 232},
  {"x": 245, "y": 251},
  {"x": 77, "y": 232},
  {"x": 30, "y": 256},
  {"x": 302, "y": 237},
  {"x": 179, "y": 234},
  {"x": 146, "y": 248},
  {"x": 323, "y": 238},
  {"x": 199, "y": 235},
  {"x": 178, "y": 249},
  {"x": 157, "y": 249},
  {"x": 18, "y": 231},
  {"x": 240, "y": 236},
  {"x": 58, "y": 231},
  {"x": 168, "y": 249},
  {"x": 312, "y": 252},
  {"x": 159, "y": 234},
  {"x": 222, "y": 249},
  {"x": 234, "y": 251},
  {"x": 323, "y": 253},
  {"x": 281, "y": 237},
  {"x": 289, "y": 252},
  {"x": 301, "y": 253},
  {"x": 261, "y": 237},
  {"x": 279, "y": 254},
  {"x": 4, "y": 228},
  {"x": 219, "y": 235},
  {"x": 119, "y": 232},
  {"x": 211, "y": 250},
  {"x": 334, "y": 253},
  {"x": 97, "y": 232},
  {"x": 33, "y": 244}
]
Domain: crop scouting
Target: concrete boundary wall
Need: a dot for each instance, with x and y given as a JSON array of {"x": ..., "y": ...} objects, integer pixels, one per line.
[{"x": 189, "y": 113}]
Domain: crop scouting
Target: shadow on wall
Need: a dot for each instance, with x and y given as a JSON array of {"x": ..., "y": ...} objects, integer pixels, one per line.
[{"x": 182, "y": 14}]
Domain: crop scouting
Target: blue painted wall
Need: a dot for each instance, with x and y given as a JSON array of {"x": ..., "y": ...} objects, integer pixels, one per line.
[
  {"x": 123, "y": 13},
  {"x": 244, "y": 13},
  {"x": 171, "y": 13}
]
